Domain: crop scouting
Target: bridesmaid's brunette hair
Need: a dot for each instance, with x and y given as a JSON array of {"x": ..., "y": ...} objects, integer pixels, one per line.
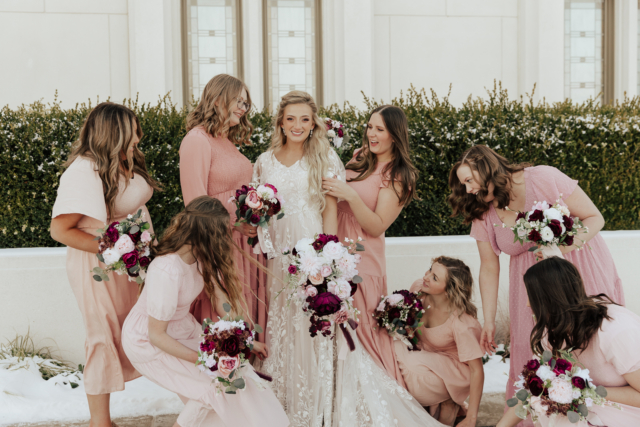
[
  {"x": 316, "y": 149},
  {"x": 106, "y": 134},
  {"x": 204, "y": 224},
  {"x": 491, "y": 168},
  {"x": 459, "y": 285},
  {"x": 224, "y": 90},
  {"x": 563, "y": 311},
  {"x": 400, "y": 169}
]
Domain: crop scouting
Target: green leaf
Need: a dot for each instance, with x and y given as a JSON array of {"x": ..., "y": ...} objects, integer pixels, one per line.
[
  {"x": 134, "y": 229},
  {"x": 522, "y": 395},
  {"x": 134, "y": 269},
  {"x": 238, "y": 318},
  {"x": 73, "y": 385},
  {"x": 226, "y": 307},
  {"x": 145, "y": 226},
  {"x": 100, "y": 258},
  {"x": 521, "y": 412},
  {"x": 280, "y": 215},
  {"x": 232, "y": 374},
  {"x": 601, "y": 391},
  {"x": 574, "y": 417},
  {"x": 139, "y": 280},
  {"x": 258, "y": 328},
  {"x": 241, "y": 199},
  {"x": 359, "y": 247},
  {"x": 97, "y": 278},
  {"x": 512, "y": 402},
  {"x": 546, "y": 356},
  {"x": 238, "y": 383},
  {"x": 552, "y": 364},
  {"x": 356, "y": 279},
  {"x": 533, "y": 249},
  {"x": 583, "y": 410}
]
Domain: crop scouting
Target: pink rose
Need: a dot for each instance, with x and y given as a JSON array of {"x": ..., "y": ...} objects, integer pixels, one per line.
[
  {"x": 145, "y": 237},
  {"x": 325, "y": 270},
  {"x": 253, "y": 200},
  {"x": 357, "y": 257},
  {"x": 316, "y": 279},
  {"x": 381, "y": 306},
  {"x": 124, "y": 245},
  {"x": 311, "y": 291},
  {"x": 227, "y": 364},
  {"x": 341, "y": 316}
]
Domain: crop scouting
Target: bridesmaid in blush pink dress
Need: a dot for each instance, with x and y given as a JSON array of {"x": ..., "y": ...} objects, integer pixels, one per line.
[
  {"x": 162, "y": 338},
  {"x": 480, "y": 201},
  {"x": 210, "y": 164},
  {"x": 608, "y": 344},
  {"x": 86, "y": 203}
]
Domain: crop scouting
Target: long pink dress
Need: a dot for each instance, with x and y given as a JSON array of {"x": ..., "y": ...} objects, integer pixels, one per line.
[
  {"x": 439, "y": 372},
  {"x": 170, "y": 289},
  {"x": 543, "y": 183},
  {"x": 214, "y": 166},
  {"x": 372, "y": 269},
  {"x": 614, "y": 351},
  {"x": 104, "y": 305}
]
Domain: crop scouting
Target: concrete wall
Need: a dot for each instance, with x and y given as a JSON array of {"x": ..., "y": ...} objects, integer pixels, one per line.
[{"x": 35, "y": 292}]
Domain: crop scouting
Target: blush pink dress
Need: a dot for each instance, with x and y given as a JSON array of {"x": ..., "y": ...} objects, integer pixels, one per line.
[
  {"x": 372, "y": 269},
  {"x": 170, "y": 289},
  {"x": 543, "y": 183},
  {"x": 104, "y": 305},
  {"x": 214, "y": 166},
  {"x": 438, "y": 371},
  {"x": 614, "y": 351}
]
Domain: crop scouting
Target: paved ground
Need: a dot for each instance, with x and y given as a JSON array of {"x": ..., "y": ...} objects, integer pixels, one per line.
[{"x": 490, "y": 412}]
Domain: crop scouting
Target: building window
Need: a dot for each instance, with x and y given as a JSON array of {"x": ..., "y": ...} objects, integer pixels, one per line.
[
  {"x": 292, "y": 49},
  {"x": 212, "y": 42},
  {"x": 588, "y": 69}
]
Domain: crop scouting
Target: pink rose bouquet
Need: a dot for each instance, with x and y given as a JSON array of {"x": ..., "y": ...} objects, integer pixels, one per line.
[
  {"x": 125, "y": 247},
  {"x": 224, "y": 352},
  {"x": 322, "y": 280},
  {"x": 257, "y": 206},
  {"x": 400, "y": 314},
  {"x": 337, "y": 135},
  {"x": 555, "y": 386}
]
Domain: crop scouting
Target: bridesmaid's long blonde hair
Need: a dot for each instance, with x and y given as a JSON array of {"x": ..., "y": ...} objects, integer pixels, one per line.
[
  {"x": 223, "y": 89},
  {"x": 106, "y": 134},
  {"x": 316, "y": 148}
]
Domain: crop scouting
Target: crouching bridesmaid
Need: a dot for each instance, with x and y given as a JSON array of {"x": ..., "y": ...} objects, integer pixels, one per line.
[
  {"x": 161, "y": 337},
  {"x": 447, "y": 369},
  {"x": 604, "y": 336}
]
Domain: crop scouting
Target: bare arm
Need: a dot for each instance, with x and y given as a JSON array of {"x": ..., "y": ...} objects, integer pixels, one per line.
[
  {"x": 581, "y": 206},
  {"x": 64, "y": 229},
  {"x": 489, "y": 282},
  {"x": 477, "y": 384},
  {"x": 330, "y": 215},
  {"x": 373, "y": 223},
  {"x": 159, "y": 338},
  {"x": 627, "y": 395},
  {"x": 509, "y": 419}
]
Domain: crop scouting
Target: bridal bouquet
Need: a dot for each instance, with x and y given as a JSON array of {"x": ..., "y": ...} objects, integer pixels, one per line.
[
  {"x": 552, "y": 387},
  {"x": 257, "y": 206},
  {"x": 336, "y": 134},
  {"x": 400, "y": 314},
  {"x": 546, "y": 226},
  {"x": 125, "y": 248},
  {"x": 322, "y": 276},
  {"x": 224, "y": 351}
]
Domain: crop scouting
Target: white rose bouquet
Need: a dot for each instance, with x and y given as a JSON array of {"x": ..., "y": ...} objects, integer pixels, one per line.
[{"x": 336, "y": 135}]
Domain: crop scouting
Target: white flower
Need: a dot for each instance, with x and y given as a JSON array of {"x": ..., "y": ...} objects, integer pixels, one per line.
[
  {"x": 343, "y": 289},
  {"x": 210, "y": 363},
  {"x": 304, "y": 245},
  {"x": 576, "y": 393},
  {"x": 561, "y": 391},
  {"x": 545, "y": 373},
  {"x": 337, "y": 141},
  {"x": 310, "y": 263},
  {"x": 552, "y": 213},
  {"x": 584, "y": 374},
  {"x": 395, "y": 299},
  {"x": 520, "y": 383},
  {"x": 146, "y": 251},
  {"x": 564, "y": 210},
  {"x": 124, "y": 245},
  {"x": 522, "y": 232},
  {"x": 331, "y": 133},
  {"x": 536, "y": 404},
  {"x": 266, "y": 192},
  {"x": 547, "y": 234},
  {"x": 331, "y": 287},
  {"x": 333, "y": 250},
  {"x": 589, "y": 402},
  {"x": 347, "y": 263},
  {"x": 111, "y": 256}
]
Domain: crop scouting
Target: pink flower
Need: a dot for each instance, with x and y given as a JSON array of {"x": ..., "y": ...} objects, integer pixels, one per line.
[
  {"x": 316, "y": 279},
  {"x": 381, "y": 306},
  {"x": 227, "y": 364},
  {"x": 561, "y": 391},
  {"x": 341, "y": 316},
  {"x": 275, "y": 190},
  {"x": 253, "y": 200},
  {"x": 395, "y": 299},
  {"x": 540, "y": 206},
  {"x": 331, "y": 287},
  {"x": 145, "y": 236},
  {"x": 357, "y": 257},
  {"x": 124, "y": 245},
  {"x": 536, "y": 404},
  {"x": 293, "y": 269},
  {"x": 325, "y": 270},
  {"x": 311, "y": 291}
]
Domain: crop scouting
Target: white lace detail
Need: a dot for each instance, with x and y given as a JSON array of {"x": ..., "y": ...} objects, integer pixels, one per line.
[{"x": 302, "y": 367}]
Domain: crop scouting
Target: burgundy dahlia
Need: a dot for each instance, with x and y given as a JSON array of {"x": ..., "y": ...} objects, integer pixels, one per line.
[
  {"x": 562, "y": 366},
  {"x": 578, "y": 382},
  {"x": 568, "y": 240},
  {"x": 325, "y": 304},
  {"x": 521, "y": 215},
  {"x": 556, "y": 227},
  {"x": 536, "y": 215},
  {"x": 255, "y": 219},
  {"x": 293, "y": 269},
  {"x": 231, "y": 346},
  {"x": 535, "y": 236},
  {"x": 533, "y": 365},
  {"x": 130, "y": 259},
  {"x": 112, "y": 233},
  {"x": 536, "y": 386},
  {"x": 568, "y": 222},
  {"x": 144, "y": 261}
]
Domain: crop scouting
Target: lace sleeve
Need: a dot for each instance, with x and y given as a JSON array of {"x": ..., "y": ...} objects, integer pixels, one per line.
[
  {"x": 257, "y": 171},
  {"x": 336, "y": 168}
]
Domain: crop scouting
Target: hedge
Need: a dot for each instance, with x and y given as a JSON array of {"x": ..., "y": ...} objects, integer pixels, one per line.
[{"x": 598, "y": 145}]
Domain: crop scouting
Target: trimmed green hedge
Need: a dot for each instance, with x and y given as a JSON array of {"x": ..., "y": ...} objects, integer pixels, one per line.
[{"x": 598, "y": 145}]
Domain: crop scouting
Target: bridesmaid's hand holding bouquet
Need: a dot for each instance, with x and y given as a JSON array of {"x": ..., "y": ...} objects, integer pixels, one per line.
[
  {"x": 125, "y": 247},
  {"x": 400, "y": 314}
]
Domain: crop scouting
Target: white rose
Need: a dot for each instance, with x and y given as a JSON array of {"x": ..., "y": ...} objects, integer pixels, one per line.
[
  {"x": 337, "y": 141},
  {"x": 210, "y": 363},
  {"x": 333, "y": 250},
  {"x": 124, "y": 245},
  {"x": 547, "y": 234},
  {"x": 331, "y": 133},
  {"x": 576, "y": 393},
  {"x": 111, "y": 256},
  {"x": 552, "y": 213},
  {"x": 343, "y": 289},
  {"x": 304, "y": 245},
  {"x": 584, "y": 374},
  {"x": 545, "y": 373},
  {"x": 266, "y": 192}
]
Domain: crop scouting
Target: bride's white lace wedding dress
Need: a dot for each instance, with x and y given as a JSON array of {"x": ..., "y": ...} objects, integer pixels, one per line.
[{"x": 302, "y": 367}]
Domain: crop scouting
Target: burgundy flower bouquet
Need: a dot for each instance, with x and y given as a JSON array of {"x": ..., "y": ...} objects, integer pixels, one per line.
[
  {"x": 125, "y": 248},
  {"x": 322, "y": 278},
  {"x": 556, "y": 386},
  {"x": 336, "y": 135},
  {"x": 400, "y": 314},
  {"x": 257, "y": 206},
  {"x": 225, "y": 350}
]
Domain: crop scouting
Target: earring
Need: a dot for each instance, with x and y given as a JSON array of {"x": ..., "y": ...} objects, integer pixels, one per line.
[
  {"x": 283, "y": 130},
  {"x": 310, "y": 133}
]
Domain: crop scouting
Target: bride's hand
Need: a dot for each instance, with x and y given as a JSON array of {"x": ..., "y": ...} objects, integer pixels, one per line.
[
  {"x": 246, "y": 229},
  {"x": 338, "y": 189},
  {"x": 260, "y": 349}
]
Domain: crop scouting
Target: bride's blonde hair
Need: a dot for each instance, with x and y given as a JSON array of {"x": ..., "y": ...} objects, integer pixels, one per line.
[{"x": 316, "y": 147}]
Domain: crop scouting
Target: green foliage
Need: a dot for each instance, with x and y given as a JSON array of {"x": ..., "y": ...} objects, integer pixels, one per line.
[{"x": 597, "y": 145}]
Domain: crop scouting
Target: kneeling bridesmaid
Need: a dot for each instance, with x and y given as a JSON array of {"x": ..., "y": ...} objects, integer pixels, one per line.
[
  {"x": 447, "y": 369},
  {"x": 161, "y": 337},
  {"x": 604, "y": 336}
]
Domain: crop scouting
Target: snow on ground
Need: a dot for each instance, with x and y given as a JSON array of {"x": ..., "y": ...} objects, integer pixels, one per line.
[
  {"x": 26, "y": 397},
  {"x": 496, "y": 375}
]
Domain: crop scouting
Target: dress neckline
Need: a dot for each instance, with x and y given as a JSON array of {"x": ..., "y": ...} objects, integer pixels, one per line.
[
  {"x": 282, "y": 164},
  {"x": 525, "y": 174}
]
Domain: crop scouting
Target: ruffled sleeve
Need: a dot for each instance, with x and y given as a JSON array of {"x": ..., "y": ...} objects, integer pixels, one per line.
[
  {"x": 619, "y": 340},
  {"x": 195, "y": 164},
  {"x": 336, "y": 168},
  {"x": 81, "y": 192},
  {"x": 163, "y": 286},
  {"x": 549, "y": 184},
  {"x": 466, "y": 333}
]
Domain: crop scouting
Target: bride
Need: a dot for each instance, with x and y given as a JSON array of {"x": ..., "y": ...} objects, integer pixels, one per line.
[{"x": 299, "y": 157}]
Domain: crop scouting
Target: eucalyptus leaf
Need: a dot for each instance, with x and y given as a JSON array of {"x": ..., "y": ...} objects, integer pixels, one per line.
[
  {"x": 356, "y": 279},
  {"x": 97, "y": 278},
  {"x": 226, "y": 307},
  {"x": 205, "y": 322},
  {"x": 238, "y": 383},
  {"x": 258, "y": 329},
  {"x": 134, "y": 229},
  {"x": 238, "y": 318},
  {"x": 533, "y": 249},
  {"x": 100, "y": 258},
  {"x": 280, "y": 215},
  {"x": 601, "y": 391},
  {"x": 401, "y": 331},
  {"x": 574, "y": 417},
  {"x": 552, "y": 364},
  {"x": 97, "y": 270},
  {"x": 582, "y": 409},
  {"x": 522, "y": 412},
  {"x": 134, "y": 269},
  {"x": 546, "y": 356},
  {"x": 522, "y": 395},
  {"x": 104, "y": 277},
  {"x": 241, "y": 199},
  {"x": 139, "y": 280},
  {"x": 359, "y": 247},
  {"x": 232, "y": 374},
  {"x": 512, "y": 402}
]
